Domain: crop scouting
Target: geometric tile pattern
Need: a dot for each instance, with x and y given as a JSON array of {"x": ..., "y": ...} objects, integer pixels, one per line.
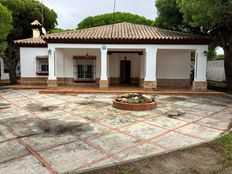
[{"x": 102, "y": 135}]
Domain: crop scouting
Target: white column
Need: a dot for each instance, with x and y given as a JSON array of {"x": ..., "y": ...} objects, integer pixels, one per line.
[
  {"x": 51, "y": 65},
  {"x": 200, "y": 66},
  {"x": 104, "y": 69},
  {"x": 150, "y": 68},
  {"x": 104, "y": 74},
  {"x": 150, "y": 64},
  {"x": 200, "y": 80}
]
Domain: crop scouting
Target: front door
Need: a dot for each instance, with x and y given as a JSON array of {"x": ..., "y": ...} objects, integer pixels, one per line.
[{"x": 125, "y": 71}]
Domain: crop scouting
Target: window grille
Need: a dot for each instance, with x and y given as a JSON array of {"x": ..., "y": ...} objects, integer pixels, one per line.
[
  {"x": 42, "y": 66},
  {"x": 84, "y": 68}
]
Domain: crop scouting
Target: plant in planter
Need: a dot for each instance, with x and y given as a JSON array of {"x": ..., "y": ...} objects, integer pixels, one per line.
[{"x": 135, "y": 102}]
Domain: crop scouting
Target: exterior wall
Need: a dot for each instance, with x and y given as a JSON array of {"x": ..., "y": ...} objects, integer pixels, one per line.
[
  {"x": 28, "y": 60},
  {"x": 173, "y": 61},
  {"x": 65, "y": 65},
  {"x": 114, "y": 67},
  {"x": 216, "y": 71},
  {"x": 173, "y": 68},
  {"x": 64, "y": 59},
  {"x": 28, "y": 66},
  {"x": 3, "y": 76}
]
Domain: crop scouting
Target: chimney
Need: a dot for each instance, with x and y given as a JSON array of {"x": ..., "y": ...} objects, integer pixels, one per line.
[{"x": 36, "y": 27}]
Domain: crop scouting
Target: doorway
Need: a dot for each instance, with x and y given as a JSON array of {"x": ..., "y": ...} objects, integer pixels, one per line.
[{"x": 125, "y": 72}]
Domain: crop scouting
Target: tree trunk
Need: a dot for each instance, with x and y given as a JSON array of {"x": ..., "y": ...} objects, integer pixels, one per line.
[
  {"x": 11, "y": 59},
  {"x": 12, "y": 75},
  {"x": 228, "y": 66}
]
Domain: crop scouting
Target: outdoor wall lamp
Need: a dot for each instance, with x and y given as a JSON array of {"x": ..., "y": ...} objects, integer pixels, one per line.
[
  {"x": 49, "y": 51},
  {"x": 205, "y": 53}
]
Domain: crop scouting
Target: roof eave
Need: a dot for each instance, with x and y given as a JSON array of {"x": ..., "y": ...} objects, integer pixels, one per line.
[
  {"x": 31, "y": 45},
  {"x": 203, "y": 41}
]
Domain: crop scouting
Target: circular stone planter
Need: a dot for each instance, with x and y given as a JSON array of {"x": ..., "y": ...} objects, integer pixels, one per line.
[{"x": 134, "y": 107}]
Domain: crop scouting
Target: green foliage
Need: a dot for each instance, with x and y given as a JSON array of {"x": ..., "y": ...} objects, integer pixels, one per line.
[
  {"x": 224, "y": 144},
  {"x": 58, "y": 30},
  {"x": 220, "y": 56},
  {"x": 26, "y": 11},
  {"x": 169, "y": 16},
  {"x": 213, "y": 15},
  {"x": 111, "y": 18},
  {"x": 23, "y": 13},
  {"x": 212, "y": 51},
  {"x": 5, "y": 27}
]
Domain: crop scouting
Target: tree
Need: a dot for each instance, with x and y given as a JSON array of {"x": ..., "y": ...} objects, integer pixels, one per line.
[
  {"x": 5, "y": 27},
  {"x": 215, "y": 19},
  {"x": 111, "y": 18},
  {"x": 24, "y": 12},
  {"x": 169, "y": 15},
  {"x": 58, "y": 30}
]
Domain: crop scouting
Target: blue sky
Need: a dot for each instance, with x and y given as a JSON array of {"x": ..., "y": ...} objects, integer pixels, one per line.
[{"x": 71, "y": 12}]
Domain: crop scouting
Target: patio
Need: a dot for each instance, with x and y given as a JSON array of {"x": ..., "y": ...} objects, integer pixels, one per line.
[
  {"x": 102, "y": 135},
  {"x": 116, "y": 90}
]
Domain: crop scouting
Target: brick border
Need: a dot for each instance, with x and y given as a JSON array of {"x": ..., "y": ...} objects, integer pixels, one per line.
[{"x": 134, "y": 107}]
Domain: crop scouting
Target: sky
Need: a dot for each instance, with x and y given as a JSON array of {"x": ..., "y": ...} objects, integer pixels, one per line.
[{"x": 71, "y": 12}]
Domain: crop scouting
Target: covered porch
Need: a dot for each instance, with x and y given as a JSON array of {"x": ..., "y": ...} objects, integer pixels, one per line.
[{"x": 150, "y": 67}]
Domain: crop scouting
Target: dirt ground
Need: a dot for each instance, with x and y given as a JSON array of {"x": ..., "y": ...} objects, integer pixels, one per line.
[{"x": 203, "y": 159}]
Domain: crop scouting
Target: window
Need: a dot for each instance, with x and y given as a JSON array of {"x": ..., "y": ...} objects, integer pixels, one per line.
[
  {"x": 42, "y": 66},
  {"x": 84, "y": 69}
]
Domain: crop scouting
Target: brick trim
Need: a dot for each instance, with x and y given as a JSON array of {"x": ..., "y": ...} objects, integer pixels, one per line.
[
  {"x": 103, "y": 84},
  {"x": 199, "y": 86},
  {"x": 174, "y": 83}
]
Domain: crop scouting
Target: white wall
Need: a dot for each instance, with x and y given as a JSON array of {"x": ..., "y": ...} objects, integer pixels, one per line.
[
  {"x": 173, "y": 64},
  {"x": 3, "y": 76},
  {"x": 64, "y": 59},
  {"x": 114, "y": 64},
  {"x": 216, "y": 71},
  {"x": 28, "y": 60}
]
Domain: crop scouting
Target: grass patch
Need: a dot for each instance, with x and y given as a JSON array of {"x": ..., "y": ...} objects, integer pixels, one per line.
[{"x": 224, "y": 145}]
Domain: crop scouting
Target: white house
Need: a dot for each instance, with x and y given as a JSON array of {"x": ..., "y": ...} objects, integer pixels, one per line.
[
  {"x": 119, "y": 54},
  {"x": 3, "y": 74}
]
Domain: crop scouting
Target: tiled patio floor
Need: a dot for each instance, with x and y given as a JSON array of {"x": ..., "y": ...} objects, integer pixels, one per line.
[{"x": 101, "y": 135}]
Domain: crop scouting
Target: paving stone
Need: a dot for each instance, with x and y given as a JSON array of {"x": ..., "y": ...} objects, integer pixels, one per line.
[
  {"x": 116, "y": 122},
  {"x": 141, "y": 151},
  {"x": 186, "y": 104},
  {"x": 224, "y": 116},
  {"x": 11, "y": 149},
  {"x": 113, "y": 142},
  {"x": 46, "y": 140},
  {"x": 175, "y": 140},
  {"x": 199, "y": 131},
  {"x": 27, "y": 165},
  {"x": 190, "y": 117},
  {"x": 214, "y": 123},
  {"x": 144, "y": 130},
  {"x": 76, "y": 155},
  {"x": 105, "y": 162},
  {"x": 142, "y": 115},
  {"x": 166, "y": 122},
  {"x": 5, "y": 134},
  {"x": 24, "y": 125},
  {"x": 70, "y": 157}
]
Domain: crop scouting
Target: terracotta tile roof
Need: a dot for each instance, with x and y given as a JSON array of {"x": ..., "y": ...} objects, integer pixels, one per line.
[
  {"x": 122, "y": 31},
  {"x": 118, "y": 33},
  {"x": 31, "y": 42}
]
